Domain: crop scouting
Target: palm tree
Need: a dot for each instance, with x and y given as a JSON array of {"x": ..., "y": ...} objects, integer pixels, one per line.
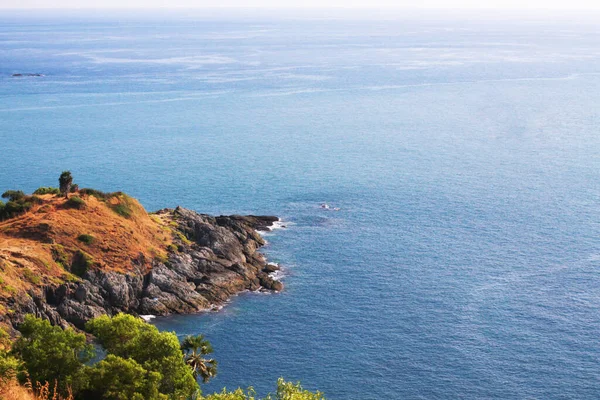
[{"x": 194, "y": 349}]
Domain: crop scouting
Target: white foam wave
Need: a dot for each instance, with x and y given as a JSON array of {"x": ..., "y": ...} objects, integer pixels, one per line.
[
  {"x": 279, "y": 224},
  {"x": 148, "y": 317},
  {"x": 277, "y": 275}
]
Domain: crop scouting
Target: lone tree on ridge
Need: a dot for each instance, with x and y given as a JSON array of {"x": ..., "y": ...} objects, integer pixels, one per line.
[{"x": 65, "y": 182}]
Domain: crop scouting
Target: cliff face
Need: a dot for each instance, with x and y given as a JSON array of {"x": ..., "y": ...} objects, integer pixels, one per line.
[{"x": 200, "y": 262}]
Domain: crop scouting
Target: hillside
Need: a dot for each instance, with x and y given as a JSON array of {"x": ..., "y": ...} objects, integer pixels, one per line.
[
  {"x": 71, "y": 260},
  {"x": 42, "y": 245}
]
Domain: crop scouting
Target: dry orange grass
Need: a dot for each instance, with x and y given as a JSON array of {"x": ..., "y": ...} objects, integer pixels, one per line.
[
  {"x": 13, "y": 391},
  {"x": 28, "y": 243}
]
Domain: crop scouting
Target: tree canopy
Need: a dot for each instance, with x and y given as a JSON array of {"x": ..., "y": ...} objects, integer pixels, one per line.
[
  {"x": 130, "y": 337},
  {"x": 52, "y": 354},
  {"x": 117, "y": 378},
  {"x": 142, "y": 363}
]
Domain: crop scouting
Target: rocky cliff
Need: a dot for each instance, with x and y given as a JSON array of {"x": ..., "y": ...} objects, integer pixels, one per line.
[{"x": 198, "y": 263}]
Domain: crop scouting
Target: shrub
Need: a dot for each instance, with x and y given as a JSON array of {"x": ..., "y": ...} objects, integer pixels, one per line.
[
  {"x": 31, "y": 276},
  {"x": 46, "y": 190},
  {"x": 35, "y": 200},
  {"x": 9, "y": 289},
  {"x": 9, "y": 366},
  {"x": 82, "y": 261},
  {"x": 13, "y": 195},
  {"x": 182, "y": 237},
  {"x": 14, "y": 208},
  {"x": 122, "y": 209},
  {"x": 74, "y": 188},
  {"x": 59, "y": 255},
  {"x": 75, "y": 202},
  {"x": 98, "y": 194},
  {"x": 85, "y": 238},
  {"x": 285, "y": 391},
  {"x": 46, "y": 208}
]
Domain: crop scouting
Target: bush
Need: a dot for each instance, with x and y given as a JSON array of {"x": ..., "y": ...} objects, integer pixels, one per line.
[
  {"x": 46, "y": 190},
  {"x": 98, "y": 194},
  {"x": 59, "y": 255},
  {"x": 13, "y": 195},
  {"x": 85, "y": 238},
  {"x": 14, "y": 208},
  {"x": 75, "y": 202},
  {"x": 31, "y": 276},
  {"x": 35, "y": 199},
  {"x": 122, "y": 209},
  {"x": 285, "y": 391},
  {"x": 74, "y": 188},
  {"x": 9, "y": 366},
  {"x": 46, "y": 208},
  {"x": 9, "y": 289},
  {"x": 82, "y": 262}
]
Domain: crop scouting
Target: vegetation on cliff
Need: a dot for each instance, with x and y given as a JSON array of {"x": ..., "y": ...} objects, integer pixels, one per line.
[
  {"x": 44, "y": 236},
  {"x": 141, "y": 363}
]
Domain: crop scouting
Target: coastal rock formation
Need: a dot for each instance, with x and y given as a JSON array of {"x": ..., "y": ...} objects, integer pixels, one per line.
[{"x": 208, "y": 260}]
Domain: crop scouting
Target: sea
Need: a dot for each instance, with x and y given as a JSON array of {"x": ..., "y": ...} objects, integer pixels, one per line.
[{"x": 461, "y": 148}]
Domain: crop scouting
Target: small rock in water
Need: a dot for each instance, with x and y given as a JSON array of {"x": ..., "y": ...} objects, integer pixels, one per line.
[{"x": 22, "y": 75}]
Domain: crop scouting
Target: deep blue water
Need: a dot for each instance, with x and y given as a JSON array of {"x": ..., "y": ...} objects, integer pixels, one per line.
[{"x": 464, "y": 153}]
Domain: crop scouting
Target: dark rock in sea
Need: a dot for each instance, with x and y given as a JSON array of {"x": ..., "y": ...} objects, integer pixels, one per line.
[
  {"x": 24, "y": 75},
  {"x": 213, "y": 259}
]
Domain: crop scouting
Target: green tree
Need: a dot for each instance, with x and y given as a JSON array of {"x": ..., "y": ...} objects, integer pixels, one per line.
[
  {"x": 285, "y": 391},
  {"x": 294, "y": 391},
  {"x": 116, "y": 378},
  {"x": 51, "y": 354},
  {"x": 65, "y": 180},
  {"x": 194, "y": 349},
  {"x": 237, "y": 394},
  {"x": 130, "y": 337}
]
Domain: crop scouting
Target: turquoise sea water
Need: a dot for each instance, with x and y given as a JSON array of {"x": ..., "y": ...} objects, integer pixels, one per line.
[{"x": 464, "y": 154}]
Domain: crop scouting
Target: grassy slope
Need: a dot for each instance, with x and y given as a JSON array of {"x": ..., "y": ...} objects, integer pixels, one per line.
[{"x": 38, "y": 248}]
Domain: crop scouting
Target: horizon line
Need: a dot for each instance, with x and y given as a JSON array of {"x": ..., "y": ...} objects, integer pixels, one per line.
[{"x": 316, "y": 8}]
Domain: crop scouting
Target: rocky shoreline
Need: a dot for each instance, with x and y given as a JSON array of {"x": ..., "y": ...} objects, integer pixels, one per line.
[{"x": 210, "y": 260}]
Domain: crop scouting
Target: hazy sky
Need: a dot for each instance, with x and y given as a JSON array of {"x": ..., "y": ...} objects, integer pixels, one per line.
[{"x": 475, "y": 4}]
